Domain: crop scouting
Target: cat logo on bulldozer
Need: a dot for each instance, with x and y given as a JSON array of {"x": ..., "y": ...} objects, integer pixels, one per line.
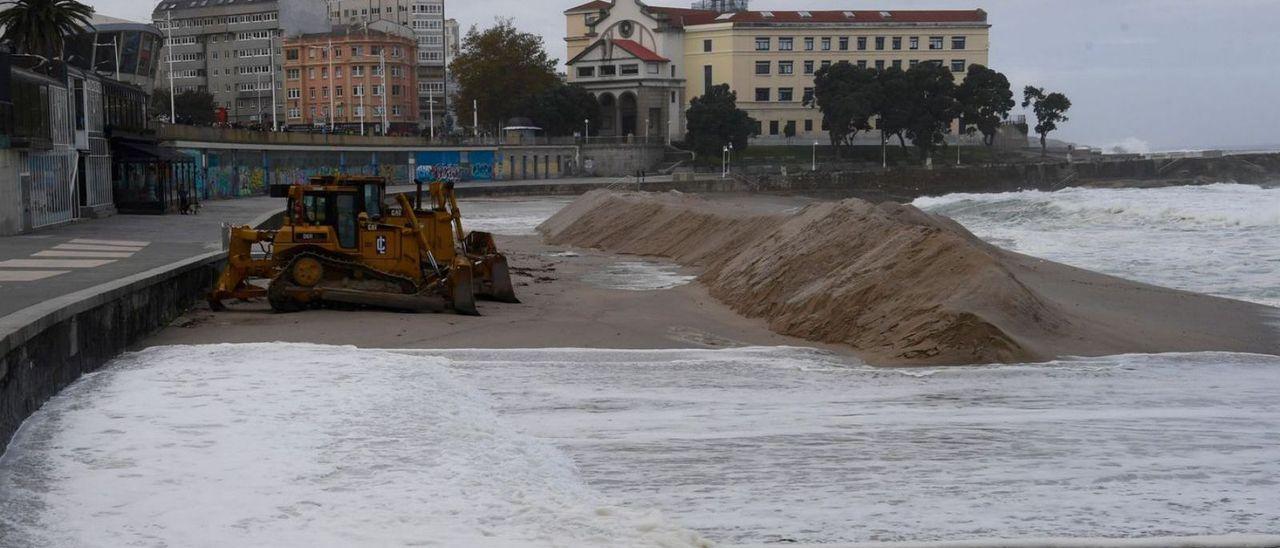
[{"x": 381, "y": 245}]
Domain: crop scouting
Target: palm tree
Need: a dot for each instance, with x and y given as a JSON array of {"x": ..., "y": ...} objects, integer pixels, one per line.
[{"x": 39, "y": 27}]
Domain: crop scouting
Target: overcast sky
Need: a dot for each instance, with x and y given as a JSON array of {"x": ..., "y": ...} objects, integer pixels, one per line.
[{"x": 1162, "y": 74}]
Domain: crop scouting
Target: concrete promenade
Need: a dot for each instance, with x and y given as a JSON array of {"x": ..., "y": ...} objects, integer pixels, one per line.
[{"x": 47, "y": 264}]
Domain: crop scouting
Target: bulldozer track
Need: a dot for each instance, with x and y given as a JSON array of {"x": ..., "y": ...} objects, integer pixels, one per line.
[{"x": 280, "y": 301}]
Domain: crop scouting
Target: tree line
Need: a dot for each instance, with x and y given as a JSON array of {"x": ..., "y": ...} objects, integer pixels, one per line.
[
  {"x": 918, "y": 105},
  {"x": 922, "y": 103}
]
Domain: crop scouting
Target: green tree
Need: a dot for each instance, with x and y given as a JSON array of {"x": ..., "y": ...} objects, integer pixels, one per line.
[
  {"x": 931, "y": 89},
  {"x": 1050, "y": 110},
  {"x": 40, "y": 27},
  {"x": 896, "y": 104},
  {"x": 502, "y": 69},
  {"x": 193, "y": 107},
  {"x": 985, "y": 100},
  {"x": 560, "y": 109},
  {"x": 714, "y": 120},
  {"x": 848, "y": 96}
]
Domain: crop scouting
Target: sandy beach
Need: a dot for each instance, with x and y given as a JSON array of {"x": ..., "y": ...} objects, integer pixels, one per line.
[{"x": 941, "y": 296}]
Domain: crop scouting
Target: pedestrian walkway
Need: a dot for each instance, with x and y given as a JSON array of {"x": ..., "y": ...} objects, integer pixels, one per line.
[{"x": 50, "y": 263}]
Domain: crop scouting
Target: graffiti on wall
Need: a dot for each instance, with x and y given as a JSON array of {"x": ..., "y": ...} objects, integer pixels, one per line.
[{"x": 455, "y": 165}]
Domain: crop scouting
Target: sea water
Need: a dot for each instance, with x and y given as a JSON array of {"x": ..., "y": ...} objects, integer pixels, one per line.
[{"x": 1221, "y": 239}]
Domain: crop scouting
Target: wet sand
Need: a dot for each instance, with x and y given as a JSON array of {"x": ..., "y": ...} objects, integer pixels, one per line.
[{"x": 558, "y": 310}]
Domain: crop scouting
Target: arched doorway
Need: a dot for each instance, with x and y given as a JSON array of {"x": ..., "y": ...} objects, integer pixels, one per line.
[
  {"x": 627, "y": 113},
  {"x": 608, "y": 115}
]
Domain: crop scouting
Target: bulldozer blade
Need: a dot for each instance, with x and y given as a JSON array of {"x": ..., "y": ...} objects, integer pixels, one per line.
[
  {"x": 412, "y": 303},
  {"x": 215, "y": 303},
  {"x": 500, "y": 286},
  {"x": 462, "y": 290}
]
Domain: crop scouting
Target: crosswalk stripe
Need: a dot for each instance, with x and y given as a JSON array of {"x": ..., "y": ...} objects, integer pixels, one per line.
[
  {"x": 54, "y": 263},
  {"x": 126, "y": 243},
  {"x": 28, "y": 275},
  {"x": 78, "y": 247},
  {"x": 83, "y": 254}
]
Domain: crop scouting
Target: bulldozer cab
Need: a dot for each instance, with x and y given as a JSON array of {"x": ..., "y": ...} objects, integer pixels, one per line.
[{"x": 339, "y": 203}]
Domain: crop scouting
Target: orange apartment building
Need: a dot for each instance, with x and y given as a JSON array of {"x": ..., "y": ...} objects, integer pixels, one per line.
[{"x": 337, "y": 78}]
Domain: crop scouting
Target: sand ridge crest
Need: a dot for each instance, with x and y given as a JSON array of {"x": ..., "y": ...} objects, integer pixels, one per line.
[{"x": 898, "y": 284}]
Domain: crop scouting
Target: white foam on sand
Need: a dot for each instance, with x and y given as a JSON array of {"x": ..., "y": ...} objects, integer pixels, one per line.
[
  {"x": 509, "y": 216},
  {"x": 638, "y": 276},
  {"x": 295, "y": 445}
]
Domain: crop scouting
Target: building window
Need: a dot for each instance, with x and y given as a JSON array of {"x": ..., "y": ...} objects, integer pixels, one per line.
[
  {"x": 808, "y": 44},
  {"x": 826, "y": 64},
  {"x": 337, "y": 72},
  {"x": 293, "y": 74},
  {"x": 706, "y": 46},
  {"x": 706, "y": 79},
  {"x": 311, "y": 73},
  {"x": 897, "y": 63},
  {"x": 862, "y": 43},
  {"x": 862, "y": 63},
  {"x": 395, "y": 90},
  {"x": 295, "y": 113},
  {"x": 879, "y": 43},
  {"x": 957, "y": 42},
  {"x": 357, "y": 91},
  {"x": 880, "y": 64},
  {"x": 630, "y": 70},
  {"x": 654, "y": 68},
  {"x": 312, "y": 93},
  {"x": 912, "y": 63},
  {"x": 786, "y": 95},
  {"x": 337, "y": 91},
  {"x": 935, "y": 42},
  {"x": 762, "y": 67},
  {"x": 897, "y": 42},
  {"x": 673, "y": 97},
  {"x": 608, "y": 70},
  {"x": 826, "y": 43},
  {"x": 586, "y": 72},
  {"x": 808, "y": 95},
  {"x": 295, "y": 93},
  {"x": 357, "y": 71},
  {"x": 786, "y": 67},
  {"x": 786, "y": 44},
  {"x": 758, "y": 129},
  {"x": 844, "y": 43},
  {"x": 808, "y": 67},
  {"x": 762, "y": 95},
  {"x": 763, "y": 43},
  {"x": 957, "y": 65},
  {"x": 773, "y": 127},
  {"x": 808, "y": 126},
  {"x": 913, "y": 42}
]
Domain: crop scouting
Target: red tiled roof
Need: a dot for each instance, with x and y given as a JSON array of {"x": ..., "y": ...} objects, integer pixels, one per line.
[
  {"x": 642, "y": 53},
  {"x": 593, "y": 5},
  {"x": 682, "y": 16}
]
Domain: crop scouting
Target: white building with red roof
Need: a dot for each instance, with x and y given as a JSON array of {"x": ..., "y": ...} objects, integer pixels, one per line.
[{"x": 646, "y": 63}]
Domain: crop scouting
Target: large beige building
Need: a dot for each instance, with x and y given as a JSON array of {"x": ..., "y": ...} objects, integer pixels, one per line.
[{"x": 645, "y": 63}]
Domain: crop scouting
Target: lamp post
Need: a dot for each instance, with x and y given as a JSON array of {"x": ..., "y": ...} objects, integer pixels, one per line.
[
  {"x": 271, "y": 58},
  {"x": 431, "y": 107},
  {"x": 815, "y": 156},
  {"x": 724, "y": 162},
  {"x": 173, "y": 108},
  {"x": 382, "y": 68},
  {"x": 586, "y": 131},
  {"x": 475, "y": 116},
  {"x": 329, "y": 53}
]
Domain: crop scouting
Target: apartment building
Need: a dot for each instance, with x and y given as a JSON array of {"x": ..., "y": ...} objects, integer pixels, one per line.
[
  {"x": 357, "y": 79},
  {"x": 646, "y": 63},
  {"x": 231, "y": 48},
  {"x": 427, "y": 21}
]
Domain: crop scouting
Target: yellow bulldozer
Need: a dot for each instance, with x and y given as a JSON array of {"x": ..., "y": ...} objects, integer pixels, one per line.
[{"x": 343, "y": 242}]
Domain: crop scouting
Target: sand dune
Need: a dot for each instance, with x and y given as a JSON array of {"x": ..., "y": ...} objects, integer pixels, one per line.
[{"x": 902, "y": 286}]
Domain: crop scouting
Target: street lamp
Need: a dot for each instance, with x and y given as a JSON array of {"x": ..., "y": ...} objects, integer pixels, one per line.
[
  {"x": 586, "y": 131},
  {"x": 329, "y": 53},
  {"x": 815, "y": 156}
]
